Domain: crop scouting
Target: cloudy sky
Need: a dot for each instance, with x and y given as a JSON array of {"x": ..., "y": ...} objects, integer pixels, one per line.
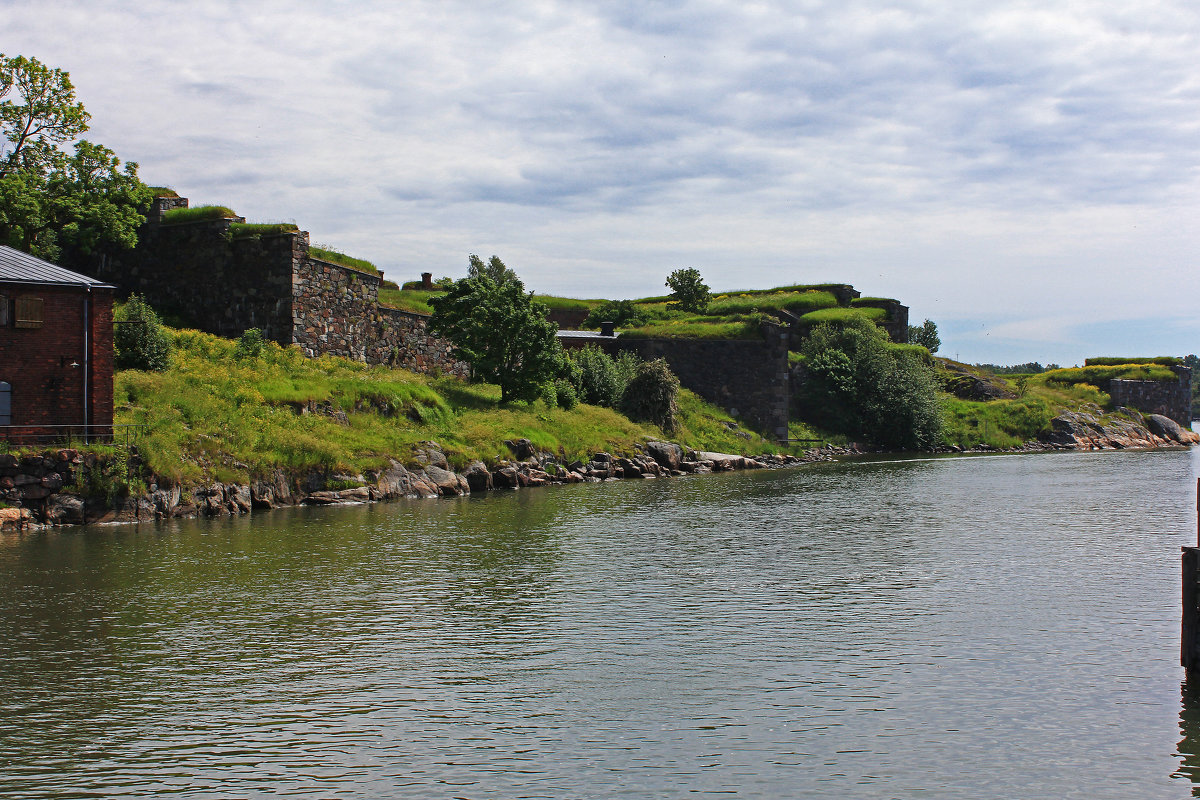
[{"x": 1023, "y": 173}]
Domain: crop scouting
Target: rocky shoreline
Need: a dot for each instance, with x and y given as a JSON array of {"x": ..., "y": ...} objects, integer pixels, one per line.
[
  {"x": 41, "y": 488},
  {"x": 41, "y": 491}
]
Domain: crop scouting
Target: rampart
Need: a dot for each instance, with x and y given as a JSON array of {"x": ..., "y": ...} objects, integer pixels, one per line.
[
  {"x": 746, "y": 377},
  {"x": 200, "y": 274},
  {"x": 1170, "y": 398}
]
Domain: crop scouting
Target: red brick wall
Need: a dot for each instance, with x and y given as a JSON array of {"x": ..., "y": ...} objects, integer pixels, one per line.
[{"x": 46, "y": 389}]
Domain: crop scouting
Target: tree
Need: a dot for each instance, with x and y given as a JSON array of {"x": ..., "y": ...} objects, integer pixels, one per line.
[
  {"x": 925, "y": 335},
  {"x": 621, "y": 313},
  {"x": 54, "y": 204},
  {"x": 857, "y": 382},
  {"x": 651, "y": 395},
  {"x": 40, "y": 113},
  {"x": 497, "y": 328},
  {"x": 139, "y": 338},
  {"x": 688, "y": 290}
]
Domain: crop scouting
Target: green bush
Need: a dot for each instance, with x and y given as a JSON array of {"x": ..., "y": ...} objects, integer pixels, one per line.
[
  {"x": 565, "y": 395},
  {"x": 600, "y": 378},
  {"x": 651, "y": 396},
  {"x": 858, "y": 383},
  {"x": 249, "y": 344},
  {"x": 622, "y": 313},
  {"x": 138, "y": 337}
]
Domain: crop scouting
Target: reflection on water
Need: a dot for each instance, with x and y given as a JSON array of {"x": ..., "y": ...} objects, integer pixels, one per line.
[
  {"x": 940, "y": 628},
  {"x": 1189, "y": 728}
]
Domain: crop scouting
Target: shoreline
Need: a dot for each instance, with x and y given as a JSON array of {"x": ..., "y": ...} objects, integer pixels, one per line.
[{"x": 44, "y": 487}]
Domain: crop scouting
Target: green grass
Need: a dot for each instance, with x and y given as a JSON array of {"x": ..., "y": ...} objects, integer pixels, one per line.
[
  {"x": 839, "y": 316},
  {"x": 873, "y": 302},
  {"x": 1165, "y": 361},
  {"x": 162, "y": 191},
  {"x": 177, "y": 216},
  {"x": 1096, "y": 374},
  {"x": 408, "y": 299},
  {"x": 334, "y": 256},
  {"x": 555, "y": 303},
  {"x": 737, "y": 326},
  {"x": 244, "y": 230},
  {"x": 212, "y": 416},
  {"x": 749, "y": 302}
]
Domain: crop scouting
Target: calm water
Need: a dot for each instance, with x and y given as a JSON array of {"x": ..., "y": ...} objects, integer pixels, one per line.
[{"x": 947, "y": 628}]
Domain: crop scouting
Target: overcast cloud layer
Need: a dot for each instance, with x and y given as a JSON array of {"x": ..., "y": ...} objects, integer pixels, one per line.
[{"x": 1025, "y": 174}]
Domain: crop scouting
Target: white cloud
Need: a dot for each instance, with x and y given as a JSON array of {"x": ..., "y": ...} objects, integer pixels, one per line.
[{"x": 1027, "y": 160}]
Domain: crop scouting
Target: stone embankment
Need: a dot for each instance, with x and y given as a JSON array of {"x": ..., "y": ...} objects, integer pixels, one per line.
[{"x": 43, "y": 490}]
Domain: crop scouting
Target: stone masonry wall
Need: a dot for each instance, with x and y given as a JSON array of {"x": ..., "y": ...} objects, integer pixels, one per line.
[
  {"x": 401, "y": 339},
  {"x": 1170, "y": 398},
  {"x": 332, "y": 309},
  {"x": 196, "y": 272},
  {"x": 748, "y": 378}
]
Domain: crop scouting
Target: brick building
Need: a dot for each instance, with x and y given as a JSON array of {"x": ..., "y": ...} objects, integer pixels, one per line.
[{"x": 56, "y": 350}]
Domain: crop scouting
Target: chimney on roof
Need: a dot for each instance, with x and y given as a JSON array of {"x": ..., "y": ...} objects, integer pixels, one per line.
[
  {"x": 427, "y": 281},
  {"x": 606, "y": 329}
]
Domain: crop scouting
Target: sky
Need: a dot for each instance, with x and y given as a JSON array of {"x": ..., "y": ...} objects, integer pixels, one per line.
[{"x": 1025, "y": 174}]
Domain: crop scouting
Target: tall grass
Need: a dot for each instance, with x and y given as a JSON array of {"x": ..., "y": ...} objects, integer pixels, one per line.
[
  {"x": 334, "y": 256},
  {"x": 177, "y": 216},
  {"x": 215, "y": 416}
]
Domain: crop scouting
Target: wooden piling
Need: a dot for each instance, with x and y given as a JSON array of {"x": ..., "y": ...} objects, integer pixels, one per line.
[{"x": 1189, "y": 651}]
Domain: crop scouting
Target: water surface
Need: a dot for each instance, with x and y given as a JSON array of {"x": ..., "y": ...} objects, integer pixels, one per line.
[{"x": 938, "y": 628}]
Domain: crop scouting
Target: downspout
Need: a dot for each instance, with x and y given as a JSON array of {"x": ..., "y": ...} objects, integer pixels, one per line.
[{"x": 87, "y": 324}]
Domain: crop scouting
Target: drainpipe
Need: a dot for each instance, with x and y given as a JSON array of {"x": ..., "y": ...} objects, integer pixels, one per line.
[{"x": 87, "y": 364}]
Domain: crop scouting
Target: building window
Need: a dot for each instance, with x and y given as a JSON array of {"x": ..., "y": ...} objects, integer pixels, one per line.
[
  {"x": 5, "y": 403},
  {"x": 3, "y": 311},
  {"x": 29, "y": 312}
]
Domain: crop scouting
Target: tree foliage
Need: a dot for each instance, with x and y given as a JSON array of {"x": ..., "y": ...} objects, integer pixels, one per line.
[
  {"x": 688, "y": 290},
  {"x": 651, "y": 396},
  {"x": 858, "y": 383},
  {"x": 497, "y": 328},
  {"x": 55, "y": 204},
  {"x": 139, "y": 339},
  {"x": 925, "y": 335},
  {"x": 621, "y": 313}
]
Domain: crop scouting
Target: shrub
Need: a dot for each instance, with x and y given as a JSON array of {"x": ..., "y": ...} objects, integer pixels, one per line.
[
  {"x": 138, "y": 337},
  {"x": 565, "y": 395},
  {"x": 622, "y": 313},
  {"x": 249, "y": 344},
  {"x": 651, "y": 396},
  {"x": 858, "y": 383},
  {"x": 600, "y": 379}
]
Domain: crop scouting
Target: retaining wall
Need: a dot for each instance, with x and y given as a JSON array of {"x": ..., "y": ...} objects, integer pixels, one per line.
[{"x": 1170, "y": 398}]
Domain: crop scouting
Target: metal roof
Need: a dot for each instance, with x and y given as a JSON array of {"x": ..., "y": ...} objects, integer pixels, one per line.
[
  {"x": 586, "y": 335},
  {"x": 18, "y": 267}
]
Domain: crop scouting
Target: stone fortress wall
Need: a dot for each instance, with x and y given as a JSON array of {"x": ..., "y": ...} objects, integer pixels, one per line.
[{"x": 199, "y": 273}]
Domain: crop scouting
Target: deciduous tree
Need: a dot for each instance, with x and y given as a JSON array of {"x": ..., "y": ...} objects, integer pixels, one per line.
[{"x": 497, "y": 328}]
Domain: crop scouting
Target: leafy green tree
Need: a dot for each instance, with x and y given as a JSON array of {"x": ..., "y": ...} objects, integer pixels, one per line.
[
  {"x": 39, "y": 112},
  {"x": 925, "y": 335},
  {"x": 139, "y": 338},
  {"x": 858, "y": 383},
  {"x": 497, "y": 328},
  {"x": 56, "y": 205},
  {"x": 622, "y": 313},
  {"x": 688, "y": 290}
]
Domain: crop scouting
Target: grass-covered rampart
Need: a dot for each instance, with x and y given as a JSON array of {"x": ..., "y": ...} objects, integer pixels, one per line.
[{"x": 216, "y": 416}]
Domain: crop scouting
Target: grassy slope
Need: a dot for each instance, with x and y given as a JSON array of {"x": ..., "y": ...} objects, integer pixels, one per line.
[
  {"x": 213, "y": 416},
  {"x": 1041, "y": 397}
]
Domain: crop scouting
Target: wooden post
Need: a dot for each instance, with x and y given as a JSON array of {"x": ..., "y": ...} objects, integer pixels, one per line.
[{"x": 1189, "y": 651}]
